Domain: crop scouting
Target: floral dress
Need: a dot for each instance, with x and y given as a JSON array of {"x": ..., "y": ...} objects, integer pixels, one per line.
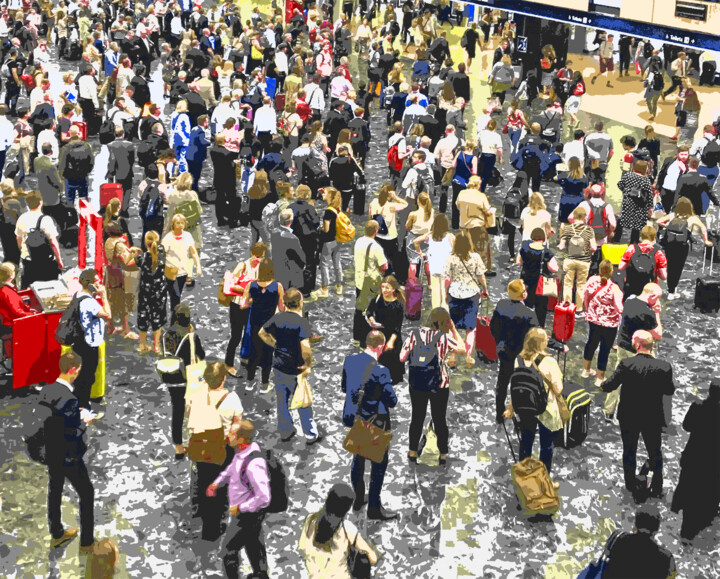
[{"x": 152, "y": 297}]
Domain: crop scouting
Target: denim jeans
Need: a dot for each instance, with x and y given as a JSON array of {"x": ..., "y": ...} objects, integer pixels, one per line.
[
  {"x": 377, "y": 477},
  {"x": 527, "y": 437},
  {"x": 330, "y": 258},
  {"x": 76, "y": 188},
  {"x": 285, "y": 385}
]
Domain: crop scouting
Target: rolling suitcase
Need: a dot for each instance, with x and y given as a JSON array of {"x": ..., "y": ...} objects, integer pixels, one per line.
[
  {"x": 564, "y": 321},
  {"x": 110, "y": 191},
  {"x": 413, "y": 298},
  {"x": 280, "y": 102},
  {"x": 707, "y": 291},
  {"x": 484, "y": 341},
  {"x": 578, "y": 401},
  {"x": 82, "y": 127}
]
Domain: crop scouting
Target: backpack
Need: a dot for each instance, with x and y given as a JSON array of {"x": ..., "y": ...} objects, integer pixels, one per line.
[
  {"x": 710, "y": 155},
  {"x": 658, "y": 82},
  {"x": 38, "y": 244},
  {"x": 425, "y": 182},
  {"x": 78, "y": 164},
  {"x": 191, "y": 211},
  {"x": 677, "y": 232},
  {"x": 35, "y": 436},
  {"x": 383, "y": 229},
  {"x": 576, "y": 245},
  {"x": 270, "y": 215},
  {"x": 344, "y": 229},
  {"x": 393, "y": 156},
  {"x": 647, "y": 50},
  {"x": 279, "y": 483},
  {"x": 5, "y": 70},
  {"x": 425, "y": 371},
  {"x": 69, "y": 330},
  {"x": 635, "y": 193},
  {"x": 107, "y": 130},
  {"x": 313, "y": 170},
  {"x": 527, "y": 388},
  {"x": 151, "y": 204},
  {"x": 513, "y": 204},
  {"x": 598, "y": 220},
  {"x": 640, "y": 270}
]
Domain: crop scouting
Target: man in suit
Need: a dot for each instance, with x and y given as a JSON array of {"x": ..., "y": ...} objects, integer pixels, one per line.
[
  {"x": 197, "y": 149},
  {"x": 362, "y": 372},
  {"x": 149, "y": 149},
  {"x": 65, "y": 447},
  {"x": 693, "y": 185},
  {"x": 198, "y": 59},
  {"x": 120, "y": 166},
  {"x": 210, "y": 44},
  {"x": 288, "y": 254},
  {"x": 461, "y": 82},
  {"x": 49, "y": 184},
  {"x": 644, "y": 380},
  {"x": 223, "y": 161},
  {"x": 146, "y": 124},
  {"x": 360, "y": 135},
  {"x": 141, "y": 90},
  {"x": 196, "y": 104},
  {"x": 432, "y": 126}
]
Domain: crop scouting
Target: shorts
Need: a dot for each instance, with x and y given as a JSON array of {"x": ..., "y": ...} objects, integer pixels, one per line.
[
  {"x": 606, "y": 65},
  {"x": 463, "y": 312},
  {"x": 572, "y": 105}
]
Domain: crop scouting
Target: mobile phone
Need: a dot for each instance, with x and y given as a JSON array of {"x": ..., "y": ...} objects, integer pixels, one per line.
[{"x": 91, "y": 289}]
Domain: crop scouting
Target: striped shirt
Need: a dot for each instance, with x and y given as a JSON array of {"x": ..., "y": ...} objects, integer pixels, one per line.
[{"x": 445, "y": 344}]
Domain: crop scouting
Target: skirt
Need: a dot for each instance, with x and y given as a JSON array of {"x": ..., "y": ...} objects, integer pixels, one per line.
[
  {"x": 572, "y": 105},
  {"x": 413, "y": 255},
  {"x": 464, "y": 312}
]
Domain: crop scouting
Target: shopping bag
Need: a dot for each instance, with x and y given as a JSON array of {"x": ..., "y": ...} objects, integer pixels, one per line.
[
  {"x": 194, "y": 371},
  {"x": 303, "y": 396}
]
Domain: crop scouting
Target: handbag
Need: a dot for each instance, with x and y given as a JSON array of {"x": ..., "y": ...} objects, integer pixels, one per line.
[
  {"x": 303, "y": 395},
  {"x": 365, "y": 438},
  {"x": 194, "y": 371},
  {"x": 171, "y": 272},
  {"x": 223, "y": 299},
  {"x": 209, "y": 446},
  {"x": 547, "y": 284},
  {"x": 358, "y": 562},
  {"x": 448, "y": 176},
  {"x": 131, "y": 282}
]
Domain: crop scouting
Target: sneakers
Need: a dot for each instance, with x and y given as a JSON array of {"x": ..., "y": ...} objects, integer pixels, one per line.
[
  {"x": 673, "y": 296},
  {"x": 320, "y": 294},
  {"x": 380, "y": 514},
  {"x": 289, "y": 436},
  {"x": 67, "y": 536},
  {"x": 250, "y": 386},
  {"x": 318, "y": 438},
  {"x": 587, "y": 373},
  {"x": 266, "y": 389}
]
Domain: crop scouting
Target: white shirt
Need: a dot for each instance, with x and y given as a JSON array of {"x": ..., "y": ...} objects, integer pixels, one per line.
[
  {"x": 270, "y": 37},
  {"x": 339, "y": 86},
  {"x": 65, "y": 383},
  {"x": 265, "y": 120},
  {"x": 429, "y": 157},
  {"x": 281, "y": 62},
  {"x": 414, "y": 110},
  {"x": 7, "y": 134},
  {"x": 574, "y": 149},
  {"x": 88, "y": 89},
  {"x": 490, "y": 142},
  {"x": 672, "y": 176},
  {"x": 176, "y": 26},
  {"x": 314, "y": 96},
  {"x": 48, "y": 136}
]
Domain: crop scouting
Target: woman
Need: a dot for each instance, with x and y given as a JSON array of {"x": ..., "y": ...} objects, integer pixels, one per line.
[
  {"x": 679, "y": 225},
  {"x": 573, "y": 187},
  {"x": 112, "y": 215},
  {"x": 418, "y": 224},
  {"x": 536, "y": 260},
  {"x": 385, "y": 313},
  {"x": 122, "y": 281},
  {"x": 224, "y": 77},
  {"x": 604, "y": 306},
  {"x": 306, "y": 226},
  {"x": 177, "y": 343},
  {"x": 12, "y": 209},
  {"x": 466, "y": 165},
  {"x": 549, "y": 422},
  {"x": 213, "y": 400},
  {"x": 289, "y": 126},
  {"x": 259, "y": 196},
  {"x": 386, "y": 206},
  {"x": 180, "y": 126},
  {"x": 698, "y": 491},
  {"x": 329, "y": 246},
  {"x": 516, "y": 123},
  {"x": 263, "y": 296},
  {"x": 548, "y": 65},
  {"x": 439, "y": 247},
  {"x": 180, "y": 256},
  {"x": 636, "y": 202},
  {"x": 651, "y": 143},
  {"x": 396, "y": 76},
  {"x": 102, "y": 560},
  {"x": 535, "y": 215},
  {"x": 491, "y": 153},
  {"x": 689, "y": 104},
  {"x": 438, "y": 327},
  {"x": 576, "y": 90},
  {"x": 446, "y": 100},
  {"x": 501, "y": 78},
  {"x": 319, "y": 143},
  {"x": 245, "y": 272},
  {"x": 326, "y": 538},
  {"x": 465, "y": 271},
  {"x": 182, "y": 200},
  {"x": 152, "y": 293}
]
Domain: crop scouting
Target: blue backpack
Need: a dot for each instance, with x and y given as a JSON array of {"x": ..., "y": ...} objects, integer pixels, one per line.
[{"x": 425, "y": 370}]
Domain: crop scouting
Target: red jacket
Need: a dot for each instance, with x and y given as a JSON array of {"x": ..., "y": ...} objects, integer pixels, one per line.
[{"x": 11, "y": 305}]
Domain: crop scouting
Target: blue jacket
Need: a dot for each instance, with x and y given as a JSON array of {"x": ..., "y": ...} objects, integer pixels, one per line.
[
  {"x": 379, "y": 393},
  {"x": 510, "y": 323},
  {"x": 197, "y": 149}
]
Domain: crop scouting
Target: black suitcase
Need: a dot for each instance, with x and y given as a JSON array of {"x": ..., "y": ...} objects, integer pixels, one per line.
[
  {"x": 707, "y": 291},
  {"x": 707, "y": 77},
  {"x": 578, "y": 401}
]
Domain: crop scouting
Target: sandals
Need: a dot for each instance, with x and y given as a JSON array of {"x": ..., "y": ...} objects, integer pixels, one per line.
[
  {"x": 144, "y": 349},
  {"x": 588, "y": 373},
  {"x": 130, "y": 336}
]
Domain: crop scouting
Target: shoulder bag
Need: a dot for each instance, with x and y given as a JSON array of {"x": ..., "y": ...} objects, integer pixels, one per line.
[
  {"x": 209, "y": 446},
  {"x": 547, "y": 284},
  {"x": 358, "y": 562},
  {"x": 171, "y": 368},
  {"x": 364, "y": 438}
]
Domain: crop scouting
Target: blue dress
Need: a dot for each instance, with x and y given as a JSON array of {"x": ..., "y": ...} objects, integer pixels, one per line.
[
  {"x": 264, "y": 303},
  {"x": 463, "y": 169},
  {"x": 571, "y": 197}
]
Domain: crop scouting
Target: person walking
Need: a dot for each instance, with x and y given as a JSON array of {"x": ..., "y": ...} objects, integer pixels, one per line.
[
  {"x": 537, "y": 260},
  {"x": 643, "y": 380},
  {"x": 120, "y": 166},
  {"x": 180, "y": 126},
  {"x": 152, "y": 293},
  {"x": 363, "y": 376},
  {"x": 330, "y": 247},
  {"x": 387, "y": 205},
  {"x": 288, "y": 255},
  {"x": 370, "y": 264},
  {"x": 638, "y": 271},
  {"x": 288, "y": 334},
  {"x": 475, "y": 213},
  {"x": 418, "y": 224},
  {"x": 607, "y": 49},
  {"x": 65, "y": 436},
  {"x": 573, "y": 186},
  {"x": 180, "y": 256},
  {"x": 466, "y": 165},
  {"x": 580, "y": 242},
  {"x": 306, "y": 225},
  {"x": 440, "y": 243},
  {"x": 637, "y": 201},
  {"x": 385, "y": 313}
]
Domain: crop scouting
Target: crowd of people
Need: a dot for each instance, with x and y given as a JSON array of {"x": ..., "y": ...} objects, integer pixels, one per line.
[{"x": 264, "y": 119}]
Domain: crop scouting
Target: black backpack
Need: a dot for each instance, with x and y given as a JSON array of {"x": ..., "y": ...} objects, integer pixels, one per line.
[
  {"x": 43, "y": 421},
  {"x": 425, "y": 371},
  {"x": 279, "y": 483},
  {"x": 69, "y": 330},
  {"x": 658, "y": 82},
  {"x": 38, "y": 245},
  {"x": 640, "y": 270},
  {"x": 513, "y": 204},
  {"x": 527, "y": 389},
  {"x": 677, "y": 232},
  {"x": 710, "y": 155},
  {"x": 647, "y": 50},
  {"x": 107, "y": 131}
]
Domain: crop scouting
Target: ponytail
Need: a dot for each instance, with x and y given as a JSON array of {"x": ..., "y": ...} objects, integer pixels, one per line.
[
  {"x": 151, "y": 243},
  {"x": 606, "y": 270}
]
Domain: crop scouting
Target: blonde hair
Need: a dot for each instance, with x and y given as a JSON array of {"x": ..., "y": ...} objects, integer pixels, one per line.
[
  {"x": 178, "y": 218},
  {"x": 184, "y": 182},
  {"x": 181, "y": 107},
  {"x": 474, "y": 182},
  {"x": 111, "y": 211},
  {"x": 425, "y": 204},
  {"x": 536, "y": 341},
  {"x": 575, "y": 168},
  {"x": 334, "y": 198},
  {"x": 536, "y": 203},
  {"x": 151, "y": 242},
  {"x": 516, "y": 289}
]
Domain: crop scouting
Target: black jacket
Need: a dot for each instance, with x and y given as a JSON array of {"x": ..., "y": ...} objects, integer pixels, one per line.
[
  {"x": 638, "y": 555},
  {"x": 342, "y": 170},
  {"x": 692, "y": 185},
  {"x": 461, "y": 85},
  {"x": 644, "y": 380},
  {"x": 510, "y": 322},
  {"x": 141, "y": 91},
  {"x": 224, "y": 166},
  {"x": 64, "y": 432},
  {"x": 122, "y": 159}
]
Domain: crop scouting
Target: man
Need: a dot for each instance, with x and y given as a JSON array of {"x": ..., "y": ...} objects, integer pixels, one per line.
[
  {"x": 288, "y": 333},
  {"x": 13, "y": 82},
  {"x": 299, "y": 155},
  {"x": 44, "y": 265},
  {"x": 7, "y": 136},
  {"x": 206, "y": 88},
  {"x": 197, "y": 149},
  {"x": 397, "y": 139},
  {"x": 335, "y": 122},
  {"x": 575, "y": 148},
  {"x": 510, "y": 321},
  {"x": 92, "y": 321},
  {"x": 580, "y": 241},
  {"x": 120, "y": 166},
  {"x": 224, "y": 183},
  {"x": 265, "y": 123},
  {"x": 474, "y": 209},
  {"x": 530, "y": 152},
  {"x": 413, "y": 112},
  {"x": 249, "y": 494},
  {"x": 76, "y": 164},
  {"x": 669, "y": 175},
  {"x": 361, "y": 372},
  {"x": 607, "y": 48},
  {"x": 288, "y": 255},
  {"x": 501, "y": 51},
  {"x": 445, "y": 152},
  {"x": 147, "y": 123},
  {"x": 695, "y": 187},
  {"x": 370, "y": 265},
  {"x": 149, "y": 149},
  {"x": 625, "y": 45},
  {"x": 432, "y": 127},
  {"x": 707, "y": 149},
  {"x": 88, "y": 100},
  {"x": 637, "y": 554},
  {"x": 598, "y": 150},
  {"x": 360, "y": 136},
  {"x": 644, "y": 381},
  {"x": 342, "y": 171},
  {"x": 439, "y": 49},
  {"x": 461, "y": 82},
  {"x": 315, "y": 97},
  {"x": 65, "y": 447},
  {"x": 49, "y": 183},
  {"x": 141, "y": 89},
  {"x": 680, "y": 68}
]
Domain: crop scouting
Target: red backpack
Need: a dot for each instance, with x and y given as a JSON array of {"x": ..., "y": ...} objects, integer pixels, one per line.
[{"x": 394, "y": 161}]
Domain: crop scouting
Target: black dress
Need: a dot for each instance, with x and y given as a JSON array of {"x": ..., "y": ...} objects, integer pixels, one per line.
[
  {"x": 152, "y": 295},
  {"x": 390, "y": 315}
]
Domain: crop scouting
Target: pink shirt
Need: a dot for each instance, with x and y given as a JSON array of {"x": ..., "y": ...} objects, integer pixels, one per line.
[
  {"x": 604, "y": 306},
  {"x": 251, "y": 492}
]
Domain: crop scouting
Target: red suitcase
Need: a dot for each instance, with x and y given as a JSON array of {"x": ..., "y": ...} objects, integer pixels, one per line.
[
  {"x": 484, "y": 341},
  {"x": 110, "y": 191},
  {"x": 82, "y": 127},
  {"x": 564, "y": 321},
  {"x": 413, "y": 298},
  {"x": 280, "y": 102}
]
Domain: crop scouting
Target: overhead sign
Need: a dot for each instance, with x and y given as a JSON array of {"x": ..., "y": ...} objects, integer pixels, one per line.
[{"x": 521, "y": 44}]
